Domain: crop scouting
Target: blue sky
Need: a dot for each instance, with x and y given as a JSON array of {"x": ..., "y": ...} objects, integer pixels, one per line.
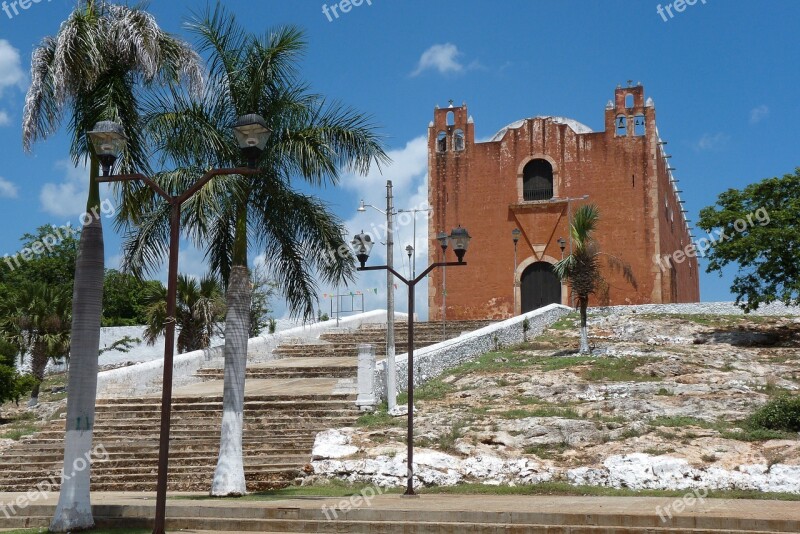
[{"x": 723, "y": 74}]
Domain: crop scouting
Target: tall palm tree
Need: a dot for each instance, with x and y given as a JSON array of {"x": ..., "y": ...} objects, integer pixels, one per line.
[
  {"x": 36, "y": 320},
  {"x": 200, "y": 311},
  {"x": 92, "y": 69},
  {"x": 582, "y": 268},
  {"x": 311, "y": 140}
]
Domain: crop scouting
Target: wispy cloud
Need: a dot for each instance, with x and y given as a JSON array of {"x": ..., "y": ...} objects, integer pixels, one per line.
[
  {"x": 68, "y": 197},
  {"x": 711, "y": 142},
  {"x": 5, "y": 120},
  {"x": 8, "y": 189},
  {"x": 758, "y": 114},
  {"x": 443, "y": 58},
  {"x": 11, "y": 73}
]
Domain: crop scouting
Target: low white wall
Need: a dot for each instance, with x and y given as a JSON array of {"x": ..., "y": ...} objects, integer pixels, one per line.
[
  {"x": 712, "y": 308},
  {"x": 145, "y": 378},
  {"x": 430, "y": 362}
]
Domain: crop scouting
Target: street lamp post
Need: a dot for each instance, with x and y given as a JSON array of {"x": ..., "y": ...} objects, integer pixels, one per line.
[
  {"x": 108, "y": 140},
  {"x": 410, "y": 252},
  {"x": 414, "y": 211},
  {"x": 562, "y": 244},
  {"x": 441, "y": 237},
  {"x": 362, "y": 244},
  {"x": 391, "y": 371},
  {"x": 515, "y": 234}
]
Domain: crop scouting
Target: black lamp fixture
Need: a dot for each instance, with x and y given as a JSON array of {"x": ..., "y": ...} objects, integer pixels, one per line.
[
  {"x": 441, "y": 237},
  {"x": 515, "y": 234},
  {"x": 460, "y": 238},
  {"x": 108, "y": 139},
  {"x": 562, "y": 244},
  {"x": 409, "y": 251},
  {"x": 252, "y": 134},
  {"x": 362, "y": 245}
]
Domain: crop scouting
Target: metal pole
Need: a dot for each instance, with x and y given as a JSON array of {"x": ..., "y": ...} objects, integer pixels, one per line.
[
  {"x": 414, "y": 245},
  {"x": 391, "y": 370},
  {"x": 514, "y": 311},
  {"x": 444, "y": 301},
  {"x": 169, "y": 350},
  {"x": 410, "y": 438}
]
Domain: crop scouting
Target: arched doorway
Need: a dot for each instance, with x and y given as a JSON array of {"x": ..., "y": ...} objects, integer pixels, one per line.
[{"x": 540, "y": 286}]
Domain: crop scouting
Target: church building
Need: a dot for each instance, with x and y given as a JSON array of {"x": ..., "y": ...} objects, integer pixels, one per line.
[{"x": 526, "y": 183}]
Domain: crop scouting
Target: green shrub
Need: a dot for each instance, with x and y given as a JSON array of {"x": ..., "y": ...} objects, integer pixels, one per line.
[{"x": 781, "y": 413}]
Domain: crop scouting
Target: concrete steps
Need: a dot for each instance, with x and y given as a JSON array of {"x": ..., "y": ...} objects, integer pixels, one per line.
[{"x": 389, "y": 514}]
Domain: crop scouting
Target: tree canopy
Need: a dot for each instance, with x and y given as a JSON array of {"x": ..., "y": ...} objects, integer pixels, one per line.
[{"x": 757, "y": 229}]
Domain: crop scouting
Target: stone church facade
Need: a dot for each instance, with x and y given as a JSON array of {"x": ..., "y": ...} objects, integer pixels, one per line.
[{"x": 532, "y": 176}]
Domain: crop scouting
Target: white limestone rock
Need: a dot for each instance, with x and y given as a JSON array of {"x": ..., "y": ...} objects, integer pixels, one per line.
[{"x": 333, "y": 444}]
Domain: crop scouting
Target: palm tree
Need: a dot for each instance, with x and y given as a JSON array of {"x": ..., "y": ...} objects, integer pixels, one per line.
[
  {"x": 200, "y": 310},
  {"x": 582, "y": 267},
  {"x": 92, "y": 68},
  {"x": 310, "y": 139},
  {"x": 36, "y": 321}
]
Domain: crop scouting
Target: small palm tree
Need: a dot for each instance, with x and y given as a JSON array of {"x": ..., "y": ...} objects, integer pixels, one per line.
[
  {"x": 582, "y": 267},
  {"x": 37, "y": 322},
  {"x": 200, "y": 312},
  {"x": 103, "y": 53}
]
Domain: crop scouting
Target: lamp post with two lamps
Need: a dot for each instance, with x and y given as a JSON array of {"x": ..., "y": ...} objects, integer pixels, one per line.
[
  {"x": 108, "y": 139},
  {"x": 362, "y": 245}
]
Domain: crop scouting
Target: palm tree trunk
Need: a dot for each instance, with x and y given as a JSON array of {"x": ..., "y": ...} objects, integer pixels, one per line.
[
  {"x": 38, "y": 365},
  {"x": 74, "y": 510},
  {"x": 229, "y": 476},
  {"x": 584, "y": 304}
]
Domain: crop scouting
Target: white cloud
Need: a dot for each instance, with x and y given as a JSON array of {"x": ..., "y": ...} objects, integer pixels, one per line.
[
  {"x": 758, "y": 114},
  {"x": 11, "y": 73},
  {"x": 409, "y": 174},
  {"x": 442, "y": 58},
  {"x": 68, "y": 198},
  {"x": 711, "y": 142},
  {"x": 8, "y": 189},
  {"x": 5, "y": 120}
]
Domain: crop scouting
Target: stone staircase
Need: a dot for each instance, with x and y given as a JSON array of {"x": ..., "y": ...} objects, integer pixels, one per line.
[
  {"x": 310, "y": 388},
  {"x": 278, "y": 435}
]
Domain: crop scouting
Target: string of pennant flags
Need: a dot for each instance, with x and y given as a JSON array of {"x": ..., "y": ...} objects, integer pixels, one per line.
[{"x": 354, "y": 293}]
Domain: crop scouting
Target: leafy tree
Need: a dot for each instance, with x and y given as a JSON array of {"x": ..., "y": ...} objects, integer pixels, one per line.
[
  {"x": 51, "y": 253},
  {"x": 102, "y": 55},
  {"x": 13, "y": 385},
  {"x": 311, "y": 140},
  {"x": 37, "y": 322},
  {"x": 124, "y": 298},
  {"x": 199, "y": 313},
  {"x": 582, "y": 268},
  {"x": 757, "y": 229}
]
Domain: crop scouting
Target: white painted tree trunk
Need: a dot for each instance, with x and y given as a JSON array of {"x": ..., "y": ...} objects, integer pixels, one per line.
[
  {"x": 74, "y": 510},
  {"x": 229, "y": 475},
  {"x": 585, "y": 340}
]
